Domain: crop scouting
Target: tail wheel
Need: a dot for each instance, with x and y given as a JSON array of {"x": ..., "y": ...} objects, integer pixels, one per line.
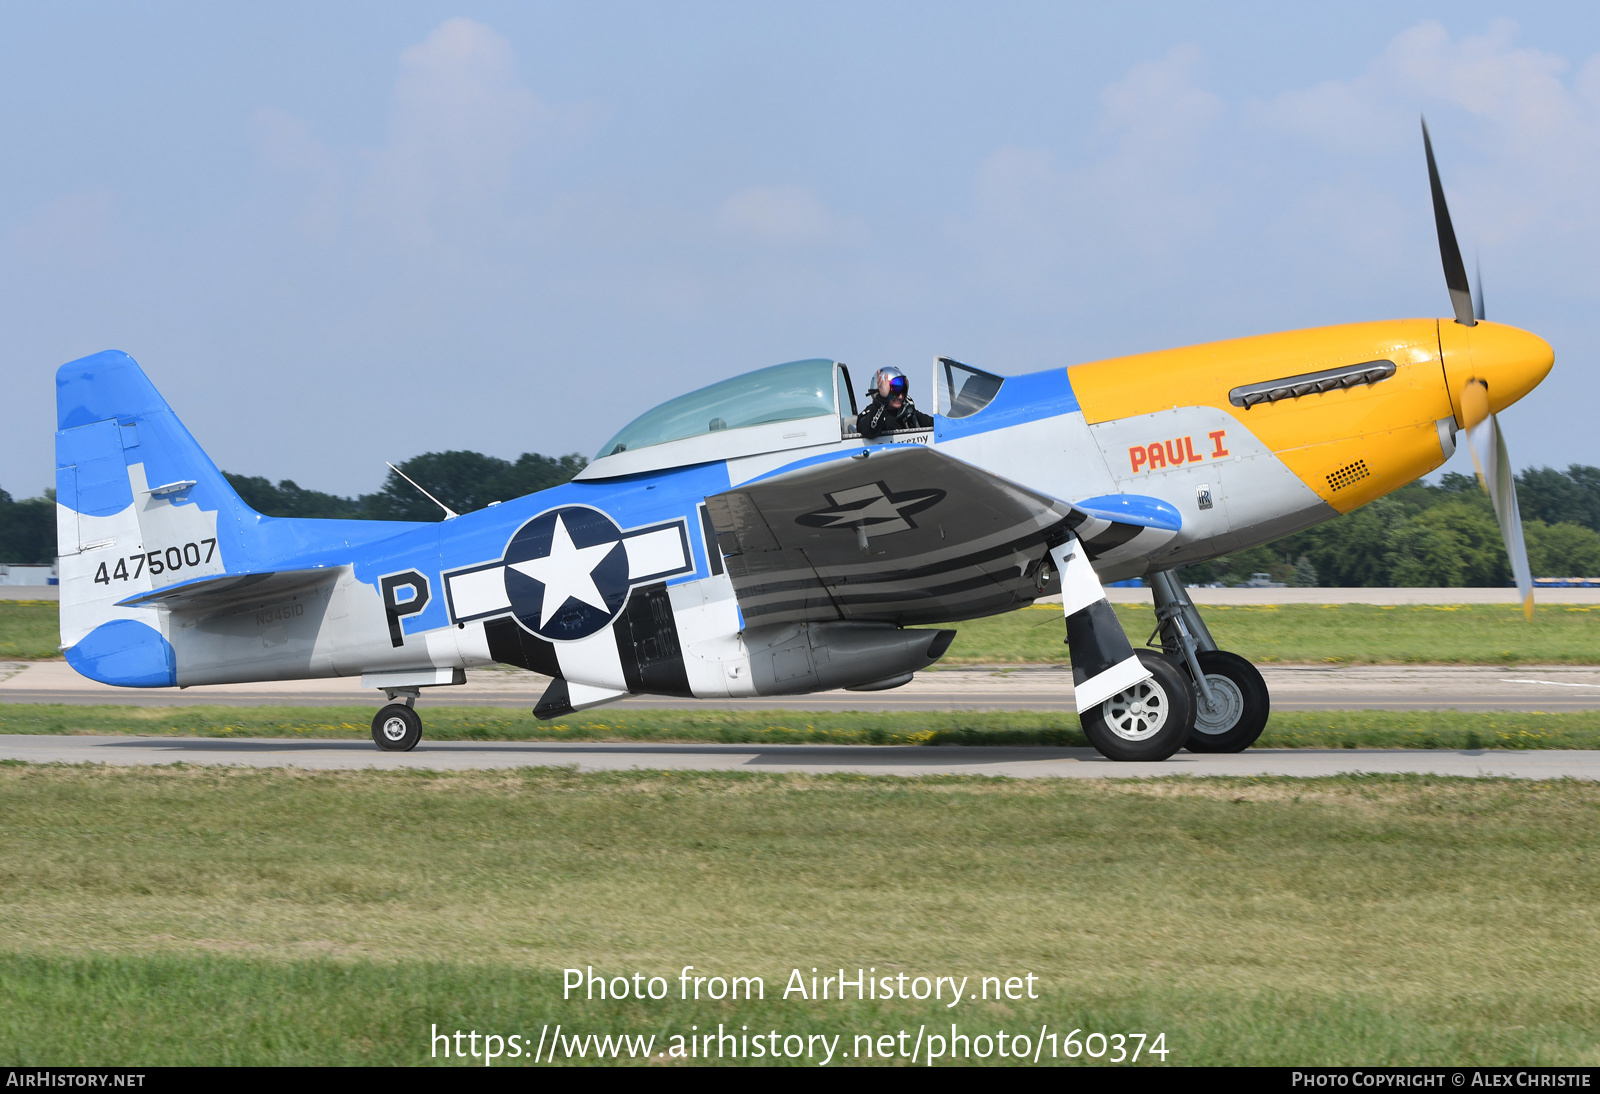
[
  {"x": 1241, "y": 704},
  {"x": 397, "y": 728},
  {"x": 1149, "y": 721}
]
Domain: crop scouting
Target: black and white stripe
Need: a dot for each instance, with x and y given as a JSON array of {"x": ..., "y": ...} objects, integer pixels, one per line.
[
  {"x": 644, "y": 639},
  {"x": 1103, "y": 661}
]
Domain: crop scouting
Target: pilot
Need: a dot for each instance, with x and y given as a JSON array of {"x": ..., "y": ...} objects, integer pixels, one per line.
[{"x": 891, "y": 408}]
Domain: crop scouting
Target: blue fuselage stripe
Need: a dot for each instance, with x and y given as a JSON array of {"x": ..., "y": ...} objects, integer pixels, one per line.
[{"x": 1026, "y": 398}]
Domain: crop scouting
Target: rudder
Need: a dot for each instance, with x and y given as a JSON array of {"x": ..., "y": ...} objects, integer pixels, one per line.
[{"x": 139, "y": 505}]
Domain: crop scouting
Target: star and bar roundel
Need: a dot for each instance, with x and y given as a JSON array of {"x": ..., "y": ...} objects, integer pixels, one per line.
[
  {"x": 873, "y": 508},
  {"x": 567, "y": 572}
]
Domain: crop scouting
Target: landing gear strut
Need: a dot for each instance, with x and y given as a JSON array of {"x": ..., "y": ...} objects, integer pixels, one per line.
[
  {"x": 398, "y": 727},
  {"x": 1232, "y": 702}
]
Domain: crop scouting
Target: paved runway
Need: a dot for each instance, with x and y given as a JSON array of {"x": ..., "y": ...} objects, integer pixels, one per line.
[
  {"x": 1024, "y": 763},
  {"x": 1293, "y": 687}
]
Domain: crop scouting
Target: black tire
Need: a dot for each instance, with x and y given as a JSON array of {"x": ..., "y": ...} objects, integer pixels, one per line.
[
  {"x": 1243, "y": 698},
  {"x": 396, "y": 728},
  {"x": 1148, "y": 722}
]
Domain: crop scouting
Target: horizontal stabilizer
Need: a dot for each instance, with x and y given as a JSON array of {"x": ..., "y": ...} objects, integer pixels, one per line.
[{"x": 224, "y": 590}]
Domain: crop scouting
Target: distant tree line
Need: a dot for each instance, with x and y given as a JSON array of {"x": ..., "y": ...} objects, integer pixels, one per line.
[
  {"x": 1420, "y": 535},
  {"x": 28, "y": 528},
  {"x": 462, "y": 480},
  {"x": 1434, "y": 536}
]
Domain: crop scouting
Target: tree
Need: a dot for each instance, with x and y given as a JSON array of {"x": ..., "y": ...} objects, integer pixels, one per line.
[
  {"x": 1589, "y": 479},
  {"x": 289, "y": 500},
  {"x": 1425, "y": 553},
  {"x": 1561, "y": 497},
  {"x": 533, "y": 472},
  {"x": 1547, "y": 495},
  {"x": 462, "y": 480},
  {"x": 1562, "y": 550},
  {"x": 1353, "y": 550},
  {"x": 28, "y": 529}
]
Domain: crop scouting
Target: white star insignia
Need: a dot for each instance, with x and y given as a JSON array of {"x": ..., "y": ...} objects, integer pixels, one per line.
[{"x": 567, "y": 571}]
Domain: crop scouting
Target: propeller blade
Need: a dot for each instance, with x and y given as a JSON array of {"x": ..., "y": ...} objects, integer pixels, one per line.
[
  {"x": 1488, "y": 446},
  {"x": 1479, "y": 312},
  {"x": 1474, "y": 409},
  {"x": 1455, "y": 270}
]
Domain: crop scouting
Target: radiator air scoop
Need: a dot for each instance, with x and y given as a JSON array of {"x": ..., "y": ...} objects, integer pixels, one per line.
[{"x": 790, "y": 660}]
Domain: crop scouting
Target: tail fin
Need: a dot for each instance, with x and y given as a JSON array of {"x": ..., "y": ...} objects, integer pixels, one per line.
[{"x": 139, "y": 505}]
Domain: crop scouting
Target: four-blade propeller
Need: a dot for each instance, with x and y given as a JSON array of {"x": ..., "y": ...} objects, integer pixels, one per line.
[{"x": 1484, "y": 438}]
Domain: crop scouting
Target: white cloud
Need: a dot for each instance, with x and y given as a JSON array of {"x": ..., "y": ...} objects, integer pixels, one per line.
[
  {"x": 1035, "y": 219},
  {"x": 461, "y": 117},
  {"x": 784, "y": 216},
  {"x": 297, "y": 176},
  {"x": 443, "y": 181},
  {"x": 1157, "y": 112},
  {"x": 1517, "y": 135},
  {"x": 1518, "y": 91}
]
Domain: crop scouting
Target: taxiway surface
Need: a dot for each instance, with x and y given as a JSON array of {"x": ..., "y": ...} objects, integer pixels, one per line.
[
  {"x": 1293, "y": 687},
  {"x": 1024, "y": 763}
]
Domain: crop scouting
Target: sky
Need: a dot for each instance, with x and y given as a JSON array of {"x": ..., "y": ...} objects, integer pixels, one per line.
[{"x": 335, "y": 235}]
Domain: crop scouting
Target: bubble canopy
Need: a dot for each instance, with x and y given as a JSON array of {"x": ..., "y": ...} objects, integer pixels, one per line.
[{"x": 781, "y": 393}]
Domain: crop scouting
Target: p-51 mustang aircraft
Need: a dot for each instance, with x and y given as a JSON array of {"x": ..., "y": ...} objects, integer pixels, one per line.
[{"x": 744, "y": 540}]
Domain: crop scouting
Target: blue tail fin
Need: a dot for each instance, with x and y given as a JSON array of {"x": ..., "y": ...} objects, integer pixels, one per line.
[
  {"x": 118, "y": 443},
  {"x": 140, "y": 506}
]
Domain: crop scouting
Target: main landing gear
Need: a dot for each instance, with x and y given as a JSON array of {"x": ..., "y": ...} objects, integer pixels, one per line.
[
  {"x": 1231, "y": 699},
  {"x": 1147, "y": 722},
  {"x": 1198, "y": 697},
  {"x": 398, "y": 727}
]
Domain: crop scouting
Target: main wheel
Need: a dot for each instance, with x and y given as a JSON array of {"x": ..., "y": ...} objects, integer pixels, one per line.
[
  {"x": 1242, "y": 704},
  {"x": 1148, "y": 722},
  {"x": 396, "y": 728}
]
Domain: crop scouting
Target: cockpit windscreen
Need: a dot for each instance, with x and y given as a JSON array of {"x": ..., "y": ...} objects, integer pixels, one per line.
[{"x": 781, "y": 393}]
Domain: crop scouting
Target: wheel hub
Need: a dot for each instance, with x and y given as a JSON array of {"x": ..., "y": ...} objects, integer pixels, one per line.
[
  {"x": 394, "y": 729},
  {"x": 1138, "y": 713},
  {"x": 1226, "y": 709}
]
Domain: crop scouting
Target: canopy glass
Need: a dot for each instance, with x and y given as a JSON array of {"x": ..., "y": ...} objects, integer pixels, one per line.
[{"x": 782, "y": 393}]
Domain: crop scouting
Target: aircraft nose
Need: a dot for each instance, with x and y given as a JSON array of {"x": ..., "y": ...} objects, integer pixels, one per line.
[{"x": 1510, "y": 362}]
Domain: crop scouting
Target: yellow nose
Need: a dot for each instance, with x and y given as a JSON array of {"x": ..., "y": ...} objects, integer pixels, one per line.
[{"x": 1509, "y": 362}]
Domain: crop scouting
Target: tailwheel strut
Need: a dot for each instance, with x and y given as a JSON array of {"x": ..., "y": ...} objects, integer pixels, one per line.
[{"x": 398, "y": 727}]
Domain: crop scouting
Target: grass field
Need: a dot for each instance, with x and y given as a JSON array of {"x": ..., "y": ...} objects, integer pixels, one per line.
[
  {"x": 1342, "y": 633},
  {"x": 1332, "y": 634},
  {"x": 29, "y": 630},
  {"x": 184, "y": 915},
  {"x": 1286, "y": 729}
]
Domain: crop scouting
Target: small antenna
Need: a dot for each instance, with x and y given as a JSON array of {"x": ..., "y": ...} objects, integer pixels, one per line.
[{"x": 449, "y": 513}]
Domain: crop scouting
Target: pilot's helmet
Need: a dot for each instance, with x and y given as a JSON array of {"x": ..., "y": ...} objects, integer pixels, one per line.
[{"x": 898, "y": 384}]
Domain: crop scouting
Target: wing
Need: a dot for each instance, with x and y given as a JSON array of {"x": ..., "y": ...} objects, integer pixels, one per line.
[{"x": 903, "y": 534}]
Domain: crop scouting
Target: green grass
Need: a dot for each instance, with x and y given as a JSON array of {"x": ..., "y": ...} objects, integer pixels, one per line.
[
  {"x": 183, "y": 915},
  {"x": 1286, "y": 729},
  {"x": 29, "y": 630},
  {"x": 1489, "y": 634},
  {"x": 1337, "y": 634}
]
